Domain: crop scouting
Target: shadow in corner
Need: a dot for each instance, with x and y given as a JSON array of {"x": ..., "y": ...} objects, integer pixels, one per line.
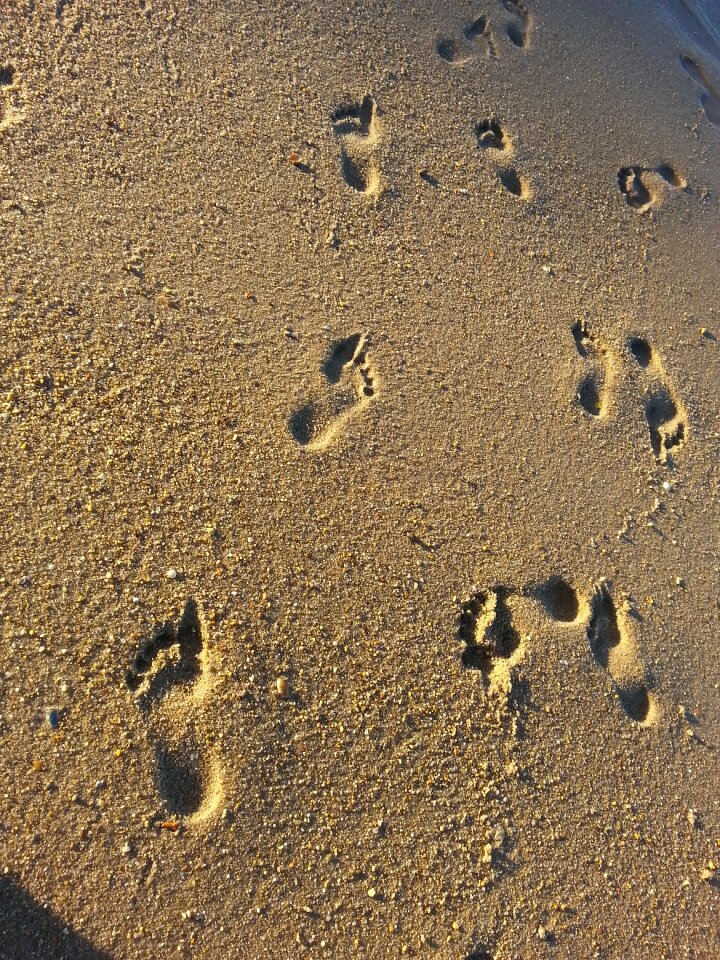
[{"x": 31, "y": 932}]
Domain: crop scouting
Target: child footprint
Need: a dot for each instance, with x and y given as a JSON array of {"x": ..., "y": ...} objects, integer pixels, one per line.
[
  {"x": 592, "y": 391},
  {"x": 349, "y": 373},
  {"x": 613, "y": 648},
  {"x": 170, "y": 680},
  {"x": 641, "y": 186},
  {"x": 356, "y": 127},
  {"x": 664, "y": 412},
  {"x": 492, "y": 644},
  {"x": 495, "y": 142}
]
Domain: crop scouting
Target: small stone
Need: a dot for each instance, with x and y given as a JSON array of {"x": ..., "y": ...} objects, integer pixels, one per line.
[
  {"x": 487, "y": 853},
  {"x": 707, "y": 874},
  {"x": 171, "y": 573},
  {"x": 282, "y": 686},
  {"x": 127, "y": 848},
  {"x": 52, "y": 716},
  {"x": 542, "y": 933},
  {"x": 498, "y": 837},
  {"x": 667, "y": 486},
  {"x": 372, "y": 893},
  {"x": 692, "y": 817}
]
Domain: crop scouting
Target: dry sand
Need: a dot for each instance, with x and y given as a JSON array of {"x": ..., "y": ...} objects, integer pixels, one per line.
[{"x": 360, "y": 526}]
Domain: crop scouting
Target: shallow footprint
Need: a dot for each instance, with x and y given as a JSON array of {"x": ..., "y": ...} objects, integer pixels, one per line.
[
  {"x": 356, "y": 127},
  {"x": 352, "y": 380},
  {"x": 519, "y": 29},
  {"x": 11, "y": 107},
  {"x": 709, "y": 96},
  {"x": 476, "y": 41},
  {"x": 492, "y": 644},
  {"x": 664, "y": 412},
  {"x": 592, "y": 391},
  {"x": 613, "y": 648},
  {"x": 169, "y": 678}
]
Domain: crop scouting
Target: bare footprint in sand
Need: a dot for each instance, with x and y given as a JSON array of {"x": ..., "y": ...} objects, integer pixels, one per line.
[
  {"x": 170, "y": 678},
  {"x": 709, "y": 94},
  {"x": 351, "y": 380},
  {"x": 356, "y": 127},
  {"x": 642, "y": 186},
  {"x": 11, "y": 107},
  {"x": 613, "y": 648},
  {"x": 520, "y": 27},
  {"x": 475, "y": 41},
  {"x": 664, "y": 411},
  {"x": 592, "y": 391},
  {"x": 496, "y": 144},
  {"x": 492, "y": 644}
]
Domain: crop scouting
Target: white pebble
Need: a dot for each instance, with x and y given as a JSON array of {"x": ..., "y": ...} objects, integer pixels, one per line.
[
  {"x": 171, "y": 574},
  {"x": 667, "y": 486}
]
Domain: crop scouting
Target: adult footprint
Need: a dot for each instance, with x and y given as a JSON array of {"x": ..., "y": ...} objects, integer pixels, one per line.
[
  {"x": 665, "y": 414},
  {"x": 170, "y": 680},
  {"x": 520, "y": 26},
  {"x": 592, "y": 392},
  {"x": 496, "y": 143},
  {"x": 614, "y": 649},
  {"x": 641, "y": 186},
  {"x": 475, "y": 41},
  {"x": 351, "y": 380},
  {"x": 356, "y": 127},
  {"x": 492, "y": 644},
  {"x": 709, "y": 94}
]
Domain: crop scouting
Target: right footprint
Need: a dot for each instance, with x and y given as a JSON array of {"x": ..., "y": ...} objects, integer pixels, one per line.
[
  {"x": 352, "y": 382},
  {"x": 495, "y": 142},
  {"x": 169, "y": 678},
  {"x": 356, "y": 127},
  {"x": 664, "y": 412},
  {"x": 614, "y": 649}
]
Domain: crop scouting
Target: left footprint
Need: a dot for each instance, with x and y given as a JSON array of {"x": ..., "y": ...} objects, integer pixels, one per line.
[
  {"x": 350, "y": 378},
  {"x": 170, "y": 680}
]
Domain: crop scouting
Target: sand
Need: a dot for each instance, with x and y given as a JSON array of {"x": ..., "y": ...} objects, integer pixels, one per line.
[{"x": 359, "y": 572}]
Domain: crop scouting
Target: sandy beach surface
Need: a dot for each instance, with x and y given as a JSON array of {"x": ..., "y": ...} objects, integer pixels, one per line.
[{"x": 359, "y": 500}]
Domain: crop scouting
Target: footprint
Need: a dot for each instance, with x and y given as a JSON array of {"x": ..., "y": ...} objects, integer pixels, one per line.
[
  {"x": 592, "y": 392},
  {"x": 11, "y": 107},
  {"x": 560, "y": 600},
  {"x": 519, "y": 29},
  {"x": 476, "y": 41},
  {"x": 492, "y": 644},
  {"x": 641, "y": 186},
  {"x": 614, "y": 649},
  {"x": 170, "y": 680},
  {"x": 356, "y": 127},
  {"x": 665, "y": 414},
  {"x": 493, "y": 139},
  {"x": 709, "y": 96},
  {"x": 346, "y": 369}
]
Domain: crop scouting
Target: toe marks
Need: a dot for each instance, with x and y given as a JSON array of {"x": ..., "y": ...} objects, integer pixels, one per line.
[{"x": 485, "y": 628}]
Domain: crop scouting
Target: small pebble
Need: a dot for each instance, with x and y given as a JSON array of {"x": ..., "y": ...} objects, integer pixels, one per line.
[
  {"x": 127, "y": 848},
  {"x": 542, "y": 933},
  {"x": 667, "y": 486},
  {"x": 52, "y": 716},
  {"x": 372, "y": 893},
  {"x": 282, "y": 686},
  {"x": 171, "y": 573}
]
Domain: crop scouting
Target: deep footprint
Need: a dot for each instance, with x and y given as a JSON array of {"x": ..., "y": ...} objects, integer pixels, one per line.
[
  {"x": 348, "y": 371},
  {"x": 612, "y": 649},
  {"x": 641, "y": 185},
  {"x": 476, "y": 41},
  {"x": 188, "y": 782},
  {"x": 664, "y": 413},
  {"x": 356, "y": 127}
]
